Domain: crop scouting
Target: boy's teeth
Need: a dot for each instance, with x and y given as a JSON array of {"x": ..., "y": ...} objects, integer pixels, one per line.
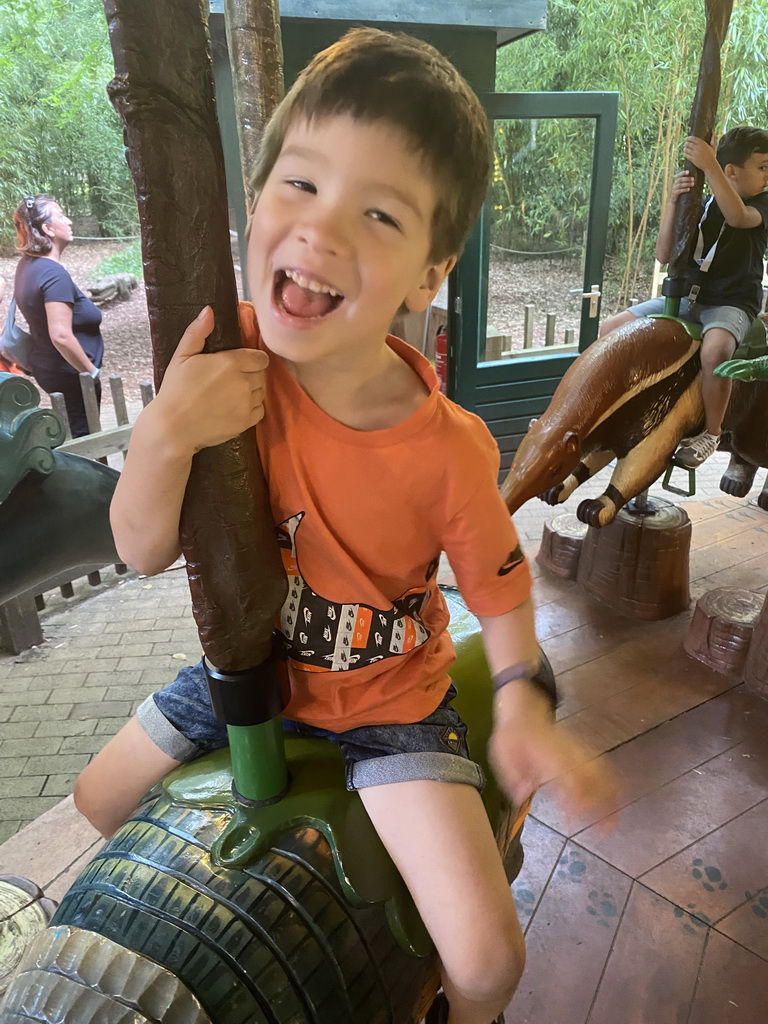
[{"x": 312, "y": 286}]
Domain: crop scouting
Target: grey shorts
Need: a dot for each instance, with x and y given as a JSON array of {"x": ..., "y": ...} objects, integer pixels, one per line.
[
  {"x": 180, "y": 721},
  {"x": 732, "y": 319}
]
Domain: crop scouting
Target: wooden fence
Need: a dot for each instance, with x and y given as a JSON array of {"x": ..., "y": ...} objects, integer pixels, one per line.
[
  {"x": 19, "y": 619},
  {"x": 502, "y": 346}
]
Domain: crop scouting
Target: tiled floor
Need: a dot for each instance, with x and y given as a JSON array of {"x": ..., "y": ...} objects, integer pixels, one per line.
[
  {"x": 659, "y": 913},
  {"x": 663, "y": 920}
]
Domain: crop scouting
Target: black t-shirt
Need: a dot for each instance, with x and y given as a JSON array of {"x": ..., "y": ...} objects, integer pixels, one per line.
[
  {"x": 736, "y": 273},
  {"x": 40, "y": 280}
]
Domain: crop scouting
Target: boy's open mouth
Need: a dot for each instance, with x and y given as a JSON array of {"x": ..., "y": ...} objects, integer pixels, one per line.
[{"x": 303, "y": 297}]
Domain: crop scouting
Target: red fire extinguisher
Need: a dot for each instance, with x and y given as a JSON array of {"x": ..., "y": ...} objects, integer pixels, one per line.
[{"x": 441, "y": 357}]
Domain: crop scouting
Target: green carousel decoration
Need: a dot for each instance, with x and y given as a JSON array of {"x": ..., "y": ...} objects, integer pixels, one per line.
[{"x": 249, "y": 887}]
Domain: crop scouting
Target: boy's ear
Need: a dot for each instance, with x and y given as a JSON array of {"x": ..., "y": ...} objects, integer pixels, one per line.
[{"x": 419, "y": 298}]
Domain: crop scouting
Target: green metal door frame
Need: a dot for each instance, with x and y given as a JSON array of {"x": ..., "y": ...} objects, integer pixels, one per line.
[{"x": 520, "y": 388}]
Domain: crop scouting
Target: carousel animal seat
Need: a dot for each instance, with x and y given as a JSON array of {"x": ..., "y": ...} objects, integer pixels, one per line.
[{"x": 200, "y": 910}]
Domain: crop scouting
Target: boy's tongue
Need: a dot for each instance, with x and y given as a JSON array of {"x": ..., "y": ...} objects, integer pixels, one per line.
[{"x": 302, "y": 302}]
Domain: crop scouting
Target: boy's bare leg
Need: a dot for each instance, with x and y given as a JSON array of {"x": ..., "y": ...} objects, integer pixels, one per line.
[
  {"x": 716, "y": 346},
  {"x": 439, "y": 836},
  {"x": 615, "y": 321},
  {"x": 109, "y": 788}
]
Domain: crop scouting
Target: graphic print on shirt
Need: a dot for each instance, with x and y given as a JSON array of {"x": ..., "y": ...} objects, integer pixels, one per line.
[{"x": 326, "y": 636}]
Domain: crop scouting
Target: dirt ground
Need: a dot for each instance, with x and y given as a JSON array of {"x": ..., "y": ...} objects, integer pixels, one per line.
[{"x": 545, "y": 284}]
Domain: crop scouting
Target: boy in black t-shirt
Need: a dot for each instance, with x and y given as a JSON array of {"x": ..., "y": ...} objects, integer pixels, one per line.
[{"x": 725, "y": 269}]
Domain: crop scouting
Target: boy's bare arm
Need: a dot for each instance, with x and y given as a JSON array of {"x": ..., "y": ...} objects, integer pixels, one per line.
[
  {"x": 205, "y": 399},
  {"x": 683, "y": 183},
  {"x": 527, "y": 749},
  {"x": 736, "y": 214},
  {"x": 146, "y": 505}
]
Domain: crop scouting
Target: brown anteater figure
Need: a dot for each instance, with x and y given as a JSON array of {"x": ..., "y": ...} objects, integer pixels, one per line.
[{"x": 632, "y": 396}]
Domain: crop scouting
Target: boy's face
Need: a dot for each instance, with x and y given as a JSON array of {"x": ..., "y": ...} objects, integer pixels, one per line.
[
  {"x": 340, "y": 239},
  {"x": 751, "y": 179}
]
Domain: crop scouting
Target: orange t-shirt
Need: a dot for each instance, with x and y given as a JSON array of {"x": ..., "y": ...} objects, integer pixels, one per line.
[{"x": 363, "y": 517}]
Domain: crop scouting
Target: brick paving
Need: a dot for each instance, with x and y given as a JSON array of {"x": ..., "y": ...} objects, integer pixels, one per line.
[{"x": 107, "y": 649}]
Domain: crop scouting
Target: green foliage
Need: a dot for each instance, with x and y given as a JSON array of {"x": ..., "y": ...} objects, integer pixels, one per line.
[
  {"x": 60, "y": 134},
  {"x": 126, "y": 261},
  {"x": 649, "y": 53}
]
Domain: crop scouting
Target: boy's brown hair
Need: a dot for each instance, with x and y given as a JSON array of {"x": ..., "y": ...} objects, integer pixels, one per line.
[
  {"x": 738, "y": 145},
  {"x": 371, "y": 76}
]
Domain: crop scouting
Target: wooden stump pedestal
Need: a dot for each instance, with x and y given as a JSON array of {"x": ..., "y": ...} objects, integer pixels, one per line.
[
  {"x": 639, "y": 563},
  {"x": 722, "y": 627},
  {"x": 561, "y": 544},
  {"x": 756, "y": 669}
]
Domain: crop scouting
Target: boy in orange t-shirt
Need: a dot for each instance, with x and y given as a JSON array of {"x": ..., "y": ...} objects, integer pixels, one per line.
[{"x": 371, "y": 174}]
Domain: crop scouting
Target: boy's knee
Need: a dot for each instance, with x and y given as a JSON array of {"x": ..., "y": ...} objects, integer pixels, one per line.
[
  {"x": 717, "y": 345},
  {"x": 90, "y": 801},
  {"x": 81, "y": 795},
  {"x": 612, "y": 322},
  {"x": 491, "y": 972}
]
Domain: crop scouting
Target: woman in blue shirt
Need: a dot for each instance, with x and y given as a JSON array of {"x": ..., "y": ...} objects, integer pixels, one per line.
[{"x": 64, "y": 324}]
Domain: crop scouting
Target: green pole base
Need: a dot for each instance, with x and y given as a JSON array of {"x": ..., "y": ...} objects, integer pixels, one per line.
[{"x": 260, "y": 774}]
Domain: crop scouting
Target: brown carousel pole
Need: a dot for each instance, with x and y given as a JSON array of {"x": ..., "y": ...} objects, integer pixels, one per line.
[
  {"x": 163, "y": 91},
  {"x": 256, "y": 56},
  {"x": 702, "y": 124}
]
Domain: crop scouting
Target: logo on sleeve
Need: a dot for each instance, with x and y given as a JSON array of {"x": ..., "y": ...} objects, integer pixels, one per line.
[{"x": 514, "y": 559}]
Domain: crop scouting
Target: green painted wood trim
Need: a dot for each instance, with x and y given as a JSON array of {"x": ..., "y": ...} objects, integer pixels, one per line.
[{"x": 599, "y": 208}]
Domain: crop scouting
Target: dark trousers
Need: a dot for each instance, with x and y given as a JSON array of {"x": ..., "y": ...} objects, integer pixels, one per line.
[{"x": 68, "y": 384}]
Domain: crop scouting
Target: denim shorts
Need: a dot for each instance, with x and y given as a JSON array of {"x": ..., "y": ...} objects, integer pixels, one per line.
[
  {"x": 732, "y": 319},
  {"x": 180, "y": 721}
]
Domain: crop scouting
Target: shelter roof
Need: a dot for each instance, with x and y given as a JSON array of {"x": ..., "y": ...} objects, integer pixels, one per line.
[{"x": 510, "y": 19}]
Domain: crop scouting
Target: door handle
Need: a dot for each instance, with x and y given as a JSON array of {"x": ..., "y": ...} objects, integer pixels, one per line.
[{"x": 594, "y": 297}]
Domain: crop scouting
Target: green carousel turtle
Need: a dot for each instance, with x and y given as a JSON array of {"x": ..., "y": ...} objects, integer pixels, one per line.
[{"x": 203, "y": 909}]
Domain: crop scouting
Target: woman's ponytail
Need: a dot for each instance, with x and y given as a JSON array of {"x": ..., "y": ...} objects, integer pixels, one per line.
[{"x": 31, "y": 213}]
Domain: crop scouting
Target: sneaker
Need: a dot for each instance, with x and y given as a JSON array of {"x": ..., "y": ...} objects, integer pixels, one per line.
[{"x": 695, "y": 450}]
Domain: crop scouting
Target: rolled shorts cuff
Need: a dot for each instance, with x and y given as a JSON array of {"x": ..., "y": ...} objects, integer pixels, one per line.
[
  {"x": 729, "y": 318},
  {"x": 651, "y": 307},
  {"x": 429, "y": 764},
  {"x": 164, "y": 734}
]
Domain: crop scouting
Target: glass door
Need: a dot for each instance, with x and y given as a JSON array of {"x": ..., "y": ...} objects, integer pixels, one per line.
[{"x": 525, "y": 298}]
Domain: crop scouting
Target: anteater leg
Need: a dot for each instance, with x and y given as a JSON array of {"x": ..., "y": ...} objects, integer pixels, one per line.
[
  {"x": 642, "y": 465},
  {"x": 762, "y": 498},
  {"x": 738, "y": 477},
  {"x": 587, "y": 468}
]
